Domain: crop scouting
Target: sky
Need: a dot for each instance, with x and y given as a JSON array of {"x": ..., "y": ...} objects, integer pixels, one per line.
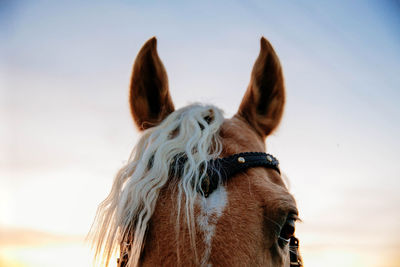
[{"x": 65, "y": 125}]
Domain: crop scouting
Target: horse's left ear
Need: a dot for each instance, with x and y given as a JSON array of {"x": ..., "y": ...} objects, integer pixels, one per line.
[
  {"x": 149, "y": 97},
  {"x": 263, "y": 103}
]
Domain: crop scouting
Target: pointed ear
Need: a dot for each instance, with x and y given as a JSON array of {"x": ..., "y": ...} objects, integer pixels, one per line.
[
  {"x": 263, "y": 103},
  {"x": 149, "y": 97}
]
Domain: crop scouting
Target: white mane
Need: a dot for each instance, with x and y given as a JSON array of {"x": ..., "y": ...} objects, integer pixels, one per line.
[{"x": 192, "y": 131}]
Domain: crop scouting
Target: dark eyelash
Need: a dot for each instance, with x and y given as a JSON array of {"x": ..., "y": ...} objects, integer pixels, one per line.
[{"x": 294, "y": 216}]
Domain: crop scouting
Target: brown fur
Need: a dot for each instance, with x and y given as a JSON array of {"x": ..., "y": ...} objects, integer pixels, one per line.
[
  {"x": 149, "y": 97},
  {"x": 263, "y": 103},
  {"x": 246, "y": 234}
]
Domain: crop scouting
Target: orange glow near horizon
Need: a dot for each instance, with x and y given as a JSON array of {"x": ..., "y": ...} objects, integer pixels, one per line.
[
  {"x": 78, "y": 254},
  {"x": 60, "y": 255}
]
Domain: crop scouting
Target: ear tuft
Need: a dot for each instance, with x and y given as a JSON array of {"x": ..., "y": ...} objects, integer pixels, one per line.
[
  {"x": 152, "y": 42},
  {"x": 263, "y": 43}
]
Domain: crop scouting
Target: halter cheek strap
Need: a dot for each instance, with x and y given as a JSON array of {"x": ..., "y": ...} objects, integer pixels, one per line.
[{"x": 294, "y": 254}]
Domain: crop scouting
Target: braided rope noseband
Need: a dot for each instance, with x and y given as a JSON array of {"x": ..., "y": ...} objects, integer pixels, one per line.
[{"x": 221, "y": 169}]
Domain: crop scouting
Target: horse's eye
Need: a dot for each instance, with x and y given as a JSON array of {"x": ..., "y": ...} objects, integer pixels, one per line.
[{"x": 288, "y": 229}]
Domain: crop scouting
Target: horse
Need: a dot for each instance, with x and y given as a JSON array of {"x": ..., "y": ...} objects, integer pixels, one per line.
[{"x": 199, "y": 189}]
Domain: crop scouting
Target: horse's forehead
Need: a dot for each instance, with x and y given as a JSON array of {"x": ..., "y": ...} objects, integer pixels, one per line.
[{"x": 237, "y": 137}]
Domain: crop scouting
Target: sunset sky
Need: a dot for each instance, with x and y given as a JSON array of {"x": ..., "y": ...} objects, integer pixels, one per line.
[{"x": 65, "y": 126}]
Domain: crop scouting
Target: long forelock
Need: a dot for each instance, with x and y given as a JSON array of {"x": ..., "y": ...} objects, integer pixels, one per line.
[{"x": 191, "y": 132}]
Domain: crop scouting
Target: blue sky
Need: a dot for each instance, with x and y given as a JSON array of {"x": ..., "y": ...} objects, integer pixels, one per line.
[{"x": 64, "y": 74}]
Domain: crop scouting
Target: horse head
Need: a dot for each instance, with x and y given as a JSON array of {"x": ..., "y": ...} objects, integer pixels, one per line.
[{"x": 199, "y": 189}]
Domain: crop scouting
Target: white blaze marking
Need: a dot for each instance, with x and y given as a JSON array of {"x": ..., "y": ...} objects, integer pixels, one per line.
[{"x": 211, "y": 209}]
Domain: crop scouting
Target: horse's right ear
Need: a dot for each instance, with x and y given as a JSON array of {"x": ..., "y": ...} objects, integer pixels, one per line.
[
  {"x": 149, "y": 97},
  {"x": 263, "y": 103}
]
